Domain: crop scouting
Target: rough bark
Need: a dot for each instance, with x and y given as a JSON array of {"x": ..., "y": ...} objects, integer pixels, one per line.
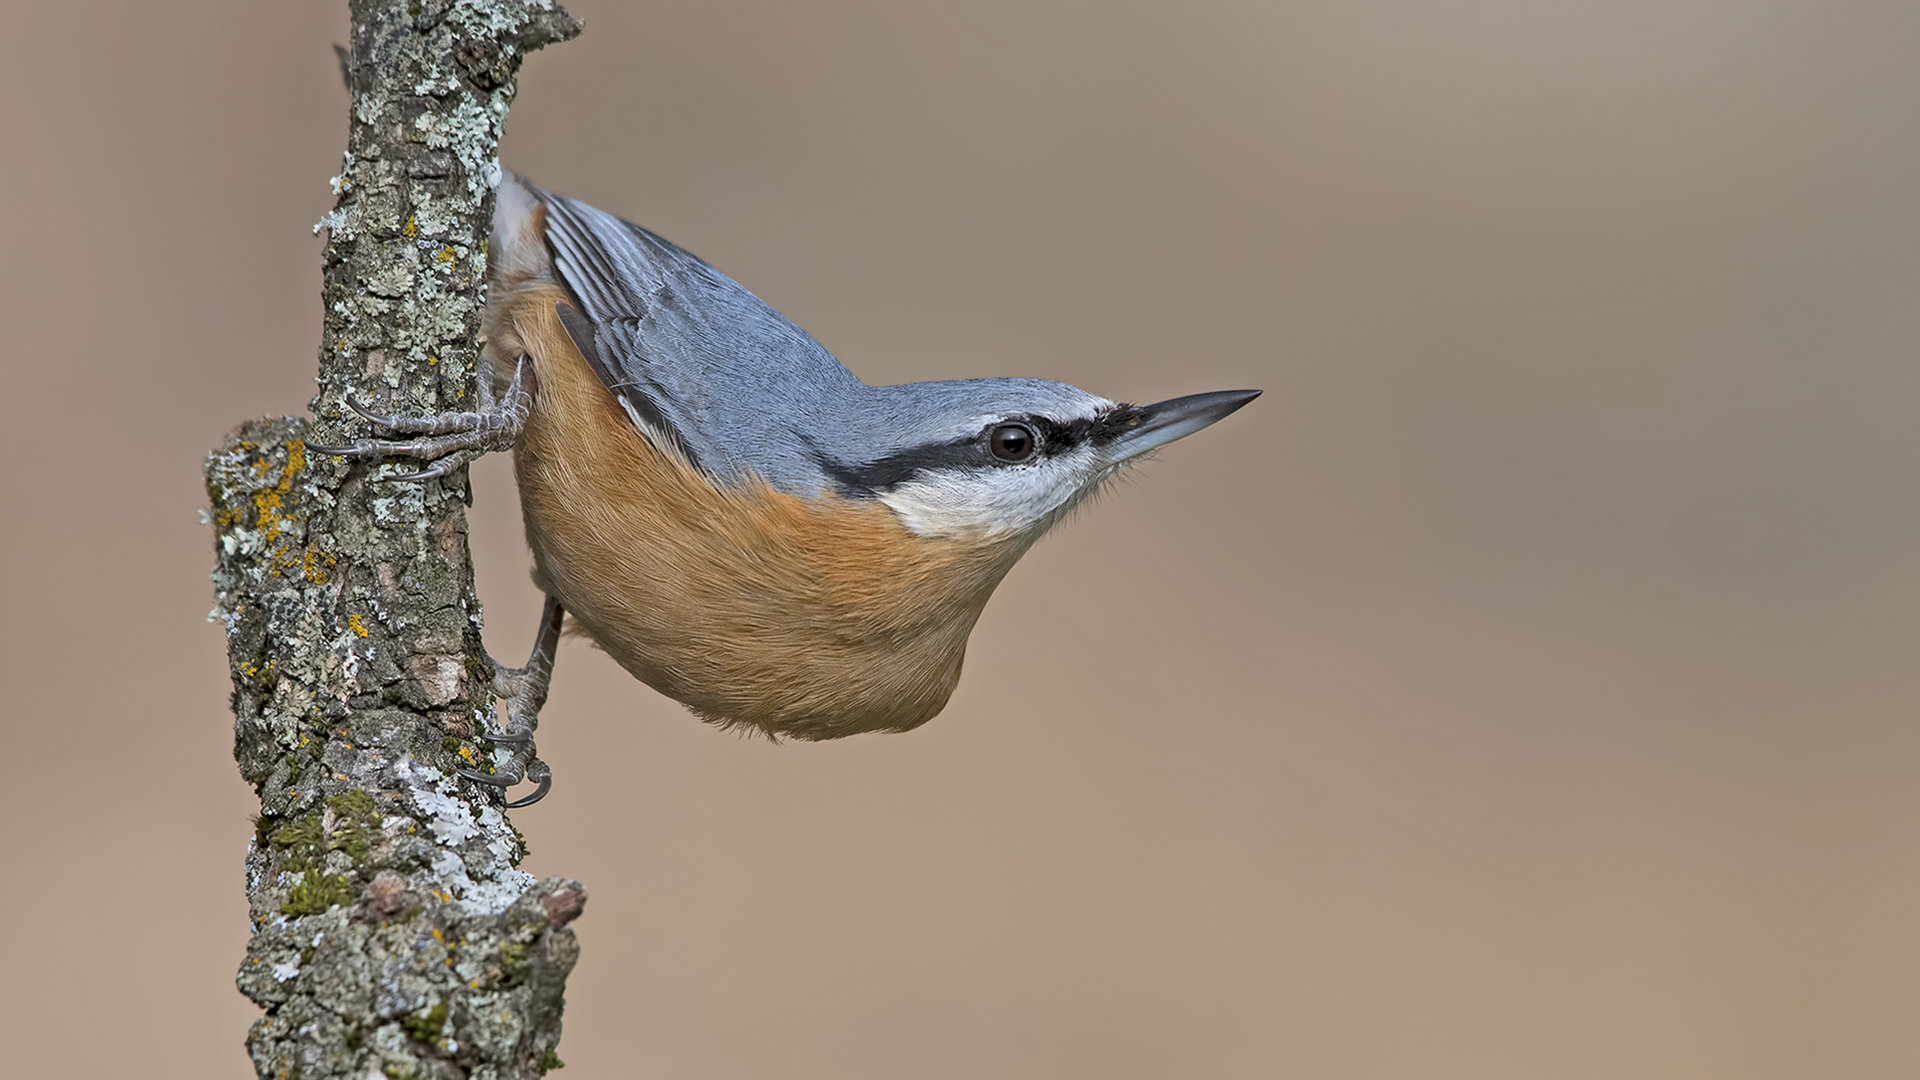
[{"x": 392, "y": 933}]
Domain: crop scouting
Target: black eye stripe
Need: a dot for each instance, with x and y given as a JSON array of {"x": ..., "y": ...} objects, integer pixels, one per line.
[
  {"x": 865, "y": 479},
  {"x": 1056, "y": 436}
]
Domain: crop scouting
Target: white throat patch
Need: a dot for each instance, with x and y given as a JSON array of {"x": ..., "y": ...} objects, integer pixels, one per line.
[{"x": 992, "y": 503}]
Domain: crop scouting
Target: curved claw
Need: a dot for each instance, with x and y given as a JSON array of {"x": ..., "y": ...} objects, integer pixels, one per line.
[
  {"x": 439, "y": 468},
  {"x": 537, "y": 772},
  {"x": 540, "y": 774},
  {"x": 519, "y": 694},
  {"x": 420, "y": 448},
  {"x": 371, "y": 416}
]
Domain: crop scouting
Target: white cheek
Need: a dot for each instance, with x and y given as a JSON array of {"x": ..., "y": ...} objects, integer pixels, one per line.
[{"x": 995, "y": 502}]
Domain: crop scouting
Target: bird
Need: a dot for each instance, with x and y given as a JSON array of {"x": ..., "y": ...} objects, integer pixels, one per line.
[{"x": 728, "y": 511}]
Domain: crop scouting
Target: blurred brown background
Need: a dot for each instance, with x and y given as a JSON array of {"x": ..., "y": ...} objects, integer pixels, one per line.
[{"x": 1524, "y": 687}]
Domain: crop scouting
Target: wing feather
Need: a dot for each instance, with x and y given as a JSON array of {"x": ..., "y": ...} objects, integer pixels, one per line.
[{"x": 731, "y": 378}]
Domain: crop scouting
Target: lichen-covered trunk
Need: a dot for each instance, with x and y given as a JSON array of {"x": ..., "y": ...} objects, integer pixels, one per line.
[{"x": 392, "y": 933}]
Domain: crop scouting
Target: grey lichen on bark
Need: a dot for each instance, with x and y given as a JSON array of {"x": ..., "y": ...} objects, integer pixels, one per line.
[{"x": 392, "y": 931}]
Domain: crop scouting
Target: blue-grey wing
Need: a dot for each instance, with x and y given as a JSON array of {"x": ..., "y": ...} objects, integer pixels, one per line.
[{"x": 691, "y": 351}]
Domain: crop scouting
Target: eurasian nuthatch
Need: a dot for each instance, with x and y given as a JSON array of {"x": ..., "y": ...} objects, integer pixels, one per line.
[{"x": 730, "y": 513}]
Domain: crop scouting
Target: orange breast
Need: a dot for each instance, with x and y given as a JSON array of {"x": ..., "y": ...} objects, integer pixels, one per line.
[{"x": 814, "y": 618}]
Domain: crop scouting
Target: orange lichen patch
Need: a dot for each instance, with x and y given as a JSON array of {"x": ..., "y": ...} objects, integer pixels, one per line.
[
  {"x": 814, "y": 618},
  {"x": 263, "y": 505},
  {"x": 354, "y": 624},
  {"x": 270, "y": 508},
  {"x": 268, "y": 501},
  {"x": 314, "y": 564}
]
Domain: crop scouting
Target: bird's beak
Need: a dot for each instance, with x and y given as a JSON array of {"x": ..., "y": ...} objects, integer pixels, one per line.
[{"x": 1144, "y": 427}]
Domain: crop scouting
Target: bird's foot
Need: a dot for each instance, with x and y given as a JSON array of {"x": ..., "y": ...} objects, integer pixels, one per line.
[
  {"x": 518, "y": 694},
  {"x": 448, "y": 440}
]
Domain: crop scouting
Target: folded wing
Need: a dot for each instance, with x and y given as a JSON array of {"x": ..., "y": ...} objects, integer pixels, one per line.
[{"x": 693, "y": 353}]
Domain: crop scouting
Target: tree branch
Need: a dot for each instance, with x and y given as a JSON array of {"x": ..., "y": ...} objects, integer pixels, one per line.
[{"x": 393, "y": 934}]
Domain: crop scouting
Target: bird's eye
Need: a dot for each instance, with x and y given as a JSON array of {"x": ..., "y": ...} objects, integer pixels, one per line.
[{"x": 1012, "y": 442}]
